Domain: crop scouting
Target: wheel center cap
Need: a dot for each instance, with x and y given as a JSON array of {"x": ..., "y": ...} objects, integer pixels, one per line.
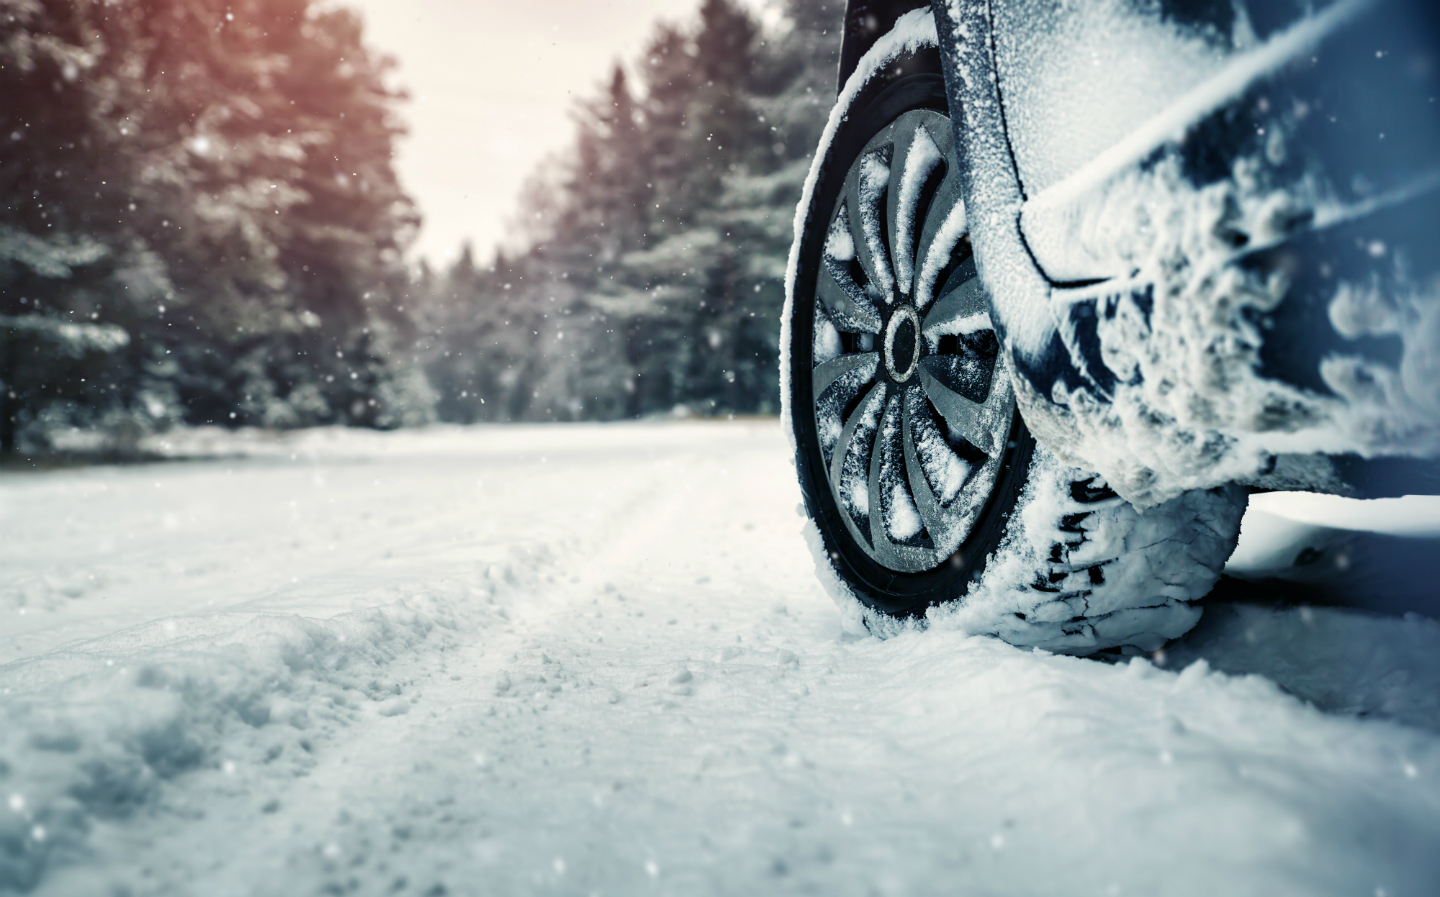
[{"x": 902, "y": 343}]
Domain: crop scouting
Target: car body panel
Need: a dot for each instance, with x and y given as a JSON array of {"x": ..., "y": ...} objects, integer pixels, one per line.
[{"x": 1167, "y": 273}]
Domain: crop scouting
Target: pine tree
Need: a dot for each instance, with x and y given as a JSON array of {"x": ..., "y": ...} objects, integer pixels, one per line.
[
  {"x": 654, "y": 275},
  {"x": 224, "y": 167}
]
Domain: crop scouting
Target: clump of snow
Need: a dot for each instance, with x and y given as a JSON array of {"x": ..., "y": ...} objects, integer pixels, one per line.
[
  {"x": 826, "y": 341},
  {"x": 1038, "y": 587},
  {"x": 962, "y": 325},
  {"x": 904, "y": 519},
  {"x": 839, "y": 242}
]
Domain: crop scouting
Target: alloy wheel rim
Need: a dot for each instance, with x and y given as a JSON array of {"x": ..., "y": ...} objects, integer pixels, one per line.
[{"x": 913, "y": 406}]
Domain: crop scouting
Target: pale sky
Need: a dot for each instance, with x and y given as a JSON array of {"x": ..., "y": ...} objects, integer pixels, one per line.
[{"x": 491, "y": 84}]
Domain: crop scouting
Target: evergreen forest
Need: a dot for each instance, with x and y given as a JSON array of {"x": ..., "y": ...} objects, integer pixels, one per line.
[{"x": 200, "y": 224}]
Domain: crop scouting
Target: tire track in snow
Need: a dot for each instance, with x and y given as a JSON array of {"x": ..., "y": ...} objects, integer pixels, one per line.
[
  {"x": 505, "y": 701},
  {"x": 223, "y": 709},
  {"x": 582, "y": 742}
]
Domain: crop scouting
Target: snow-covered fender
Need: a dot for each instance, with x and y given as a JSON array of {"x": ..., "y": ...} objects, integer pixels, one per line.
[{"x": 1236, "y": 286}]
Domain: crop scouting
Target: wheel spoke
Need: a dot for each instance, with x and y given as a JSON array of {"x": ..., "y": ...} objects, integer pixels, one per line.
[
  {"x": 839, "y": 241},
  {"x": 983, "y": 424},
  {"x": 849, "y": 309},
  {"x": 944, "y": 470},
  {"x": 864, "y": 197},
  {"x": 962, "y": 310},
  {"x": 825, "y": 341},
  {"x": 834, "y": 391},
  {"x": 917, "y": 157},
  {"x": 926, "y": 502},
  {"x": 861, "y": 419},
  {"x": 944, "y": 226},
  {"x": 968, "y": 374},
  {"x": 883, "y": 477},
  {"x": 826, "y": 374}
]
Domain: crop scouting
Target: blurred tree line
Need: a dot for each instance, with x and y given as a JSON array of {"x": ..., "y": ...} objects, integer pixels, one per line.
[
  {"x": 651, "y": 272},
  {"x": 200, "y": 219},
  {"x": 200, "y": 224}
]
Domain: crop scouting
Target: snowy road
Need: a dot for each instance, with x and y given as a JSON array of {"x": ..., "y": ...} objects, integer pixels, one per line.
[{"x": 595, "y": 659}]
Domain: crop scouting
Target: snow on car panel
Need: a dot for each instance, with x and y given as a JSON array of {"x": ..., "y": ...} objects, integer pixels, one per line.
[{"x": 1078, "y": 78}]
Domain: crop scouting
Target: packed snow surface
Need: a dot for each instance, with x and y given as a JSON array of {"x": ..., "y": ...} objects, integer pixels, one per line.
[{"x": 596, "y": 659}]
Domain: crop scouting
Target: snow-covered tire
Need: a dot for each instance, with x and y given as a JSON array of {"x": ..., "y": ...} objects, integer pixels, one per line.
[{"x": 928, "y": 498}]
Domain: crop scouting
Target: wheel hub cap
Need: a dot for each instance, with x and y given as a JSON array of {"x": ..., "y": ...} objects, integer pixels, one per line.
[
  {"x": 902, "y": 341},
  {"x": 912, "y": 403}
]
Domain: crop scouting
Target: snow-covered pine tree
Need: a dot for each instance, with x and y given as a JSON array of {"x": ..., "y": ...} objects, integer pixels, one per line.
[
  {"x": 232, "y": 161},
  {"x": 652, "y": 272}
]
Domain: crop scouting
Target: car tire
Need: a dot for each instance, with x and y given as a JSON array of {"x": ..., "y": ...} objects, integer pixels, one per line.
[{"x": 928, "y": 500}]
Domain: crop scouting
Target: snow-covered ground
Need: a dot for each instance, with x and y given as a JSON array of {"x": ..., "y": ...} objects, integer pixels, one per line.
[{"x": 595, "y": 659}]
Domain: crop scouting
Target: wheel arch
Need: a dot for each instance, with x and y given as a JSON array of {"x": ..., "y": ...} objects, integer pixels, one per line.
[{"x": 865, "y": 22}]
